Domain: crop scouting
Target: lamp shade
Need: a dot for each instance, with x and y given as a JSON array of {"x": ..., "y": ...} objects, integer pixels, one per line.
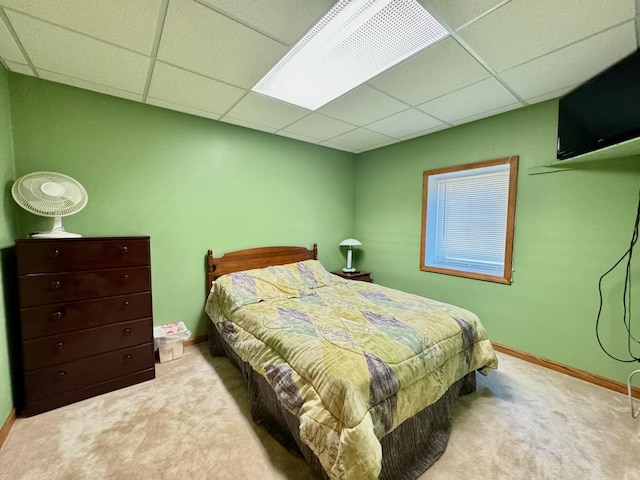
[{"x": 350, "y": 242}]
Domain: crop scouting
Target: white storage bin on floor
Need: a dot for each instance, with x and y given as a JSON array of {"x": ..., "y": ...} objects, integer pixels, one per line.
[{"x": 168, "y": 340}]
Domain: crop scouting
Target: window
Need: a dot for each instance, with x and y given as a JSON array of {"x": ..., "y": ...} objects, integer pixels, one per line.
[{"x": 467, "y": 220}]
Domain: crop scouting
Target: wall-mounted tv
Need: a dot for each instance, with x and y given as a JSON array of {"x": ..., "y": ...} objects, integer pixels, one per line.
[{"x": 602, "y": 112}]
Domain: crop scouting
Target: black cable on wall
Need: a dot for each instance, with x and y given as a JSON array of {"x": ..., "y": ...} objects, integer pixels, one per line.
[{"x": 626, "y": 297}]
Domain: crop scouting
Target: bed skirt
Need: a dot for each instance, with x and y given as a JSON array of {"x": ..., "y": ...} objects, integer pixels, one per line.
[{"x": 407, "y": 452}]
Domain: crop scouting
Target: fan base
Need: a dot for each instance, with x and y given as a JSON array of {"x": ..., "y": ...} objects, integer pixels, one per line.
[{"x": 58, "y": 234}]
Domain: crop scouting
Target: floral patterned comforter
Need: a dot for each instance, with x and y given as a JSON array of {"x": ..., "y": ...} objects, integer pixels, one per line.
[{"x": 351, "y": 360}]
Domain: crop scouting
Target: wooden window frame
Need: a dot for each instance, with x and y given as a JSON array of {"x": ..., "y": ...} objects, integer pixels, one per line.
[{"x": 506, "y": 277}]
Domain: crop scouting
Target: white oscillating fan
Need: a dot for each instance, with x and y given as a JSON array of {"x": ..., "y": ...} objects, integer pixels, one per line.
[{"x": 50, "y": 194}]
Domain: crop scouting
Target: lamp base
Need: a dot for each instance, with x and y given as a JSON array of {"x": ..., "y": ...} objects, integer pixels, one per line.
[
  {"x": 55, "y": 234},
  {"x": 349, "y": 270}
]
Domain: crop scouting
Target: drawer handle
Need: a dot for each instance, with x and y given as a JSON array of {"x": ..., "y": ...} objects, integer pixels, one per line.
[
  {"x": 59, "y": 345},
  {"x": 127, "y": 357},
  {"x": 60, "y": 375},
  {"x": 125, "y": 278},
  {"x": 124, "y": 250},
  {"x": 54, "y": 253},
  {"x": 126, "y": 331},
  {"x": 56, "y": 315},
  {"x": 55, "y": 285},
  {"x": 125, "y": 304}
]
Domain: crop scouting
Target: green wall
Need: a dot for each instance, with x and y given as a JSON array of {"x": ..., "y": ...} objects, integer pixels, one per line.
[
  {"x": 570, "y": 228},
  {"x": 7, "y": 235},
  {"x": 190, "y": 183},
  {"x": 194, "y": 184}
]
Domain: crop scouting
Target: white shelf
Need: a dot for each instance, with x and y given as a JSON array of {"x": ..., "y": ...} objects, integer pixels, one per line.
[{"x": 628, "y": 148}]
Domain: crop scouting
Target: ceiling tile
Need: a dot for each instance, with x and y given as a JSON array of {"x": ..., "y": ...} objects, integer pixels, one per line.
[
  {"x": 522, "y": 30},
  {"x": 266, "y": 111},
  {"x": 251, "y": 125},
  {"x": 192, "y": 90},
  {"x": 75, "y": 82},
  {"x": 339, "y": 147},
  {"x": 573, "y": 64},
  {"x": 488, "y": 113},
  {"x": 130, "y": 23},
  {"x": 439, "y": 69},
  {"x": 472, "y": 100},
  {"x": 360, "y": 139},
  {"x": 8, "y": 48},
  {"x": 199, "y": 39},
  {"x": 404, "y": 123},
  {"x": 56, "y": 49},
  {"x": 553, "y": 94},
  {"x": 362, "y": 105},
  {"x": 444, "y": 126},
  {"x": 458, "y": 12},
  {"x": 319, "y": 127},
  {"x": 286, "y": 20},
  {"x": 181, "y": 108},
  {"x": 380, "y": 145},
  {"x": 19, "y": 68},
  {"x": 295, "y": 136}
]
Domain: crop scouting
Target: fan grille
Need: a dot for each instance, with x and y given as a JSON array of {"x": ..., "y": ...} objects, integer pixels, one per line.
[{"x": 49, "y": 194}]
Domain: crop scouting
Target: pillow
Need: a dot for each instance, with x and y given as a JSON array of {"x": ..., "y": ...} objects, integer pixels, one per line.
[
  {"x": 235, "y": 290},
  {"x": 251, "y": 286},
  {"x": 303, "y": 275}
]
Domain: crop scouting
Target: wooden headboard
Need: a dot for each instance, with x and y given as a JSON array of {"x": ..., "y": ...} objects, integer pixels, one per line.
[{"x": 251, "y": 258}]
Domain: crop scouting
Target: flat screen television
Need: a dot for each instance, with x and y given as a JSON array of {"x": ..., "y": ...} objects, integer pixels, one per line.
[{"x": 602, "y": 112}]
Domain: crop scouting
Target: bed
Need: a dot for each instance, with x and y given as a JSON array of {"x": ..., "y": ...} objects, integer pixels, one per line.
[{"x": 357, "y": 378}]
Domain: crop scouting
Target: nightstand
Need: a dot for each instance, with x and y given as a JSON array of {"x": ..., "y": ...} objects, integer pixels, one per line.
[{"x": 359, "y": 276}]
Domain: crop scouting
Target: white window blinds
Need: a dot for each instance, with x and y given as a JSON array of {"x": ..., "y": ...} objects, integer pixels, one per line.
[{"x": 467, "y": 219}]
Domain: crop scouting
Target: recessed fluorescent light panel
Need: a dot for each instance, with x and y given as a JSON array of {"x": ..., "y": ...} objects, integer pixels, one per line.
[{"x": 353, "y": 42}]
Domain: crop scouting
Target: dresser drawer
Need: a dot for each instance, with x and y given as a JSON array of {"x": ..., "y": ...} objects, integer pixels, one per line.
[
  {"x": 45, "y": 404},
  {"x": 48, "y": 351},
  {"x": 46, "y": 288},
  {"x": 65, "y": 317},
  {"x": 74, "y": 375},
  {"x": 35, "y": 256}
]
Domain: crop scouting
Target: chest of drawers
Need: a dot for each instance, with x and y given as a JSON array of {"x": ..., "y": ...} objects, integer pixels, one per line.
[{"x": 86, "y": 318}]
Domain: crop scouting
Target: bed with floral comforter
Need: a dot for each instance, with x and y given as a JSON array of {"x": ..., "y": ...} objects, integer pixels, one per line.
[{"x": 350, "y": 360}]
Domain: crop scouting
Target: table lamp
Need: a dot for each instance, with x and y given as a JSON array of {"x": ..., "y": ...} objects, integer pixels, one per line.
[{"x": 349, "y": 242}]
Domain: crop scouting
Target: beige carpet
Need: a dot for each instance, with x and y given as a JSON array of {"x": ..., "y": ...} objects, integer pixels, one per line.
[{"x": 192, "y": 421}]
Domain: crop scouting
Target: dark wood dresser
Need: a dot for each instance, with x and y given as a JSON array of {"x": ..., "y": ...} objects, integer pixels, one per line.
[{"x": 86, "y": 318}]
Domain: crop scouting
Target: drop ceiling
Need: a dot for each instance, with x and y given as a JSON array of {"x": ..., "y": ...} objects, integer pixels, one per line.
[{"x": 202, "y": 57}]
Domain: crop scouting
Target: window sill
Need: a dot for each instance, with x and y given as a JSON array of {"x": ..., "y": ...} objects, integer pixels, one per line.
[{"x": 505, "y": 280}]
